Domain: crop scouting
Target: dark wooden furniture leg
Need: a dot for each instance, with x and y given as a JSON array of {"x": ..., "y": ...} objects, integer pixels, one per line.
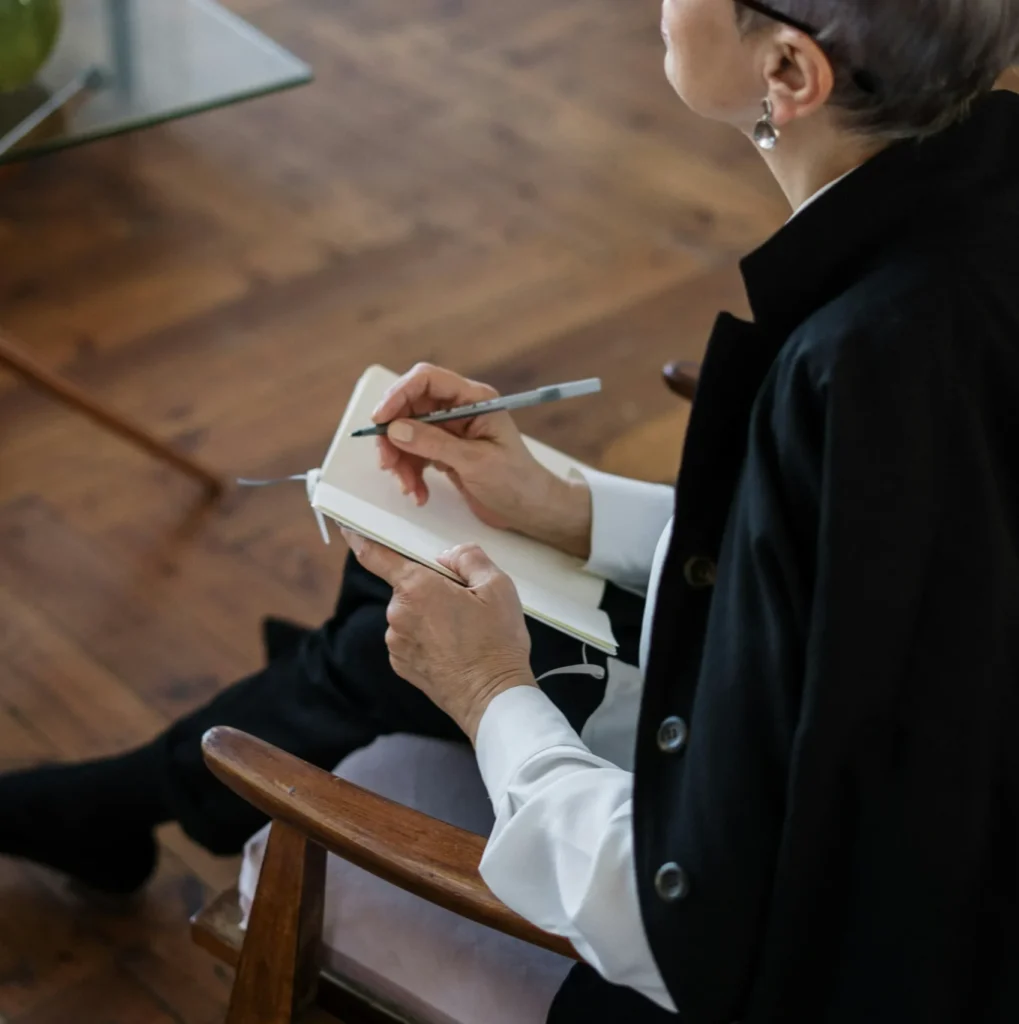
[
  {"x": 277, "y": 976},
  {"x": 681, "y": 378},
  {"x": 14, "y": 359}
]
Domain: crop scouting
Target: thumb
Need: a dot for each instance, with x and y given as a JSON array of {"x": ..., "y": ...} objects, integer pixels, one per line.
[
  {"x": 428, "y": 442},
  {"x": 470, "y": 563}
]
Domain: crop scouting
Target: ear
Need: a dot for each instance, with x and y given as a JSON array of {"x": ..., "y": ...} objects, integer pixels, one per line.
[{"x": 798, "y": 75}]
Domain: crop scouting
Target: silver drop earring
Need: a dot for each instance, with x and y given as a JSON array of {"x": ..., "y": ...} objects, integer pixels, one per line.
[{"x": 766, "y": 135}]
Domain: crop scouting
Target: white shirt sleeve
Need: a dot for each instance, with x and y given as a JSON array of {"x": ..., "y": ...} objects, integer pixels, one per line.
[
  {"x": 561, "y": 852},
  {"x": 627, "y": 519}
]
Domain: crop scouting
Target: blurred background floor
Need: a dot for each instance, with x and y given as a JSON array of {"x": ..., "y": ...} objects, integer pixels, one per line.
[{"x": 509, "y": 189}]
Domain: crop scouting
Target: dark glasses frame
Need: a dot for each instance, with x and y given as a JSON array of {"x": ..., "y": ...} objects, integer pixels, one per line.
[
  {"x": 769, "y": 12},
  {"x": 863, "y": 79}
]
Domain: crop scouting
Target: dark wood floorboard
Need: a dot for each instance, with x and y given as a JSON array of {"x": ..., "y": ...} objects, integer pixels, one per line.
[{"x": 507, "y": 188}]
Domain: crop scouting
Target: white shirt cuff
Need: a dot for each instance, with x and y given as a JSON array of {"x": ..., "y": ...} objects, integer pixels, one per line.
[
  {"x": 518, "y": 725},
  {"x": 627, "y": 519},
  {"x": 567, "y": 817}
]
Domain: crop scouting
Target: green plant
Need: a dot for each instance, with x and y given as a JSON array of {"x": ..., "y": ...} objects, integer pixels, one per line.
[{"x": 28, "y": 32}]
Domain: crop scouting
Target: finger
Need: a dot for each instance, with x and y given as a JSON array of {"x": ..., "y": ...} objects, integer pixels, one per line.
[
  {"x": 396, "y": 642},
  {"x": 388, "y": 455},
  {"x": 405, "y": 467},
  {"x": 470, "y": 563},
  {"x": 419, "y": 489},
  {"x": 433, "y": 386},
  {"x": 433, "y": 444},
  {"x": 425, "y": 381},
  {"x": 421, "y": 492},
  {"x": 409, "y": 472},
  {"x": 382, "y": 561},
  {"x": 397, "y": 657}
]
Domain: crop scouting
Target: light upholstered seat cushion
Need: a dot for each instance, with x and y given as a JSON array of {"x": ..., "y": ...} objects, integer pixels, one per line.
[{"x": 432, "y": 965}]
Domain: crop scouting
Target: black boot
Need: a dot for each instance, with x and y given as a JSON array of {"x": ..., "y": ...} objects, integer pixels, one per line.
[{"x": 92, "y": 821}]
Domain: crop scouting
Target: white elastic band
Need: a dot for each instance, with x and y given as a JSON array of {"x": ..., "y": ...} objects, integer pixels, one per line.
[
  {"x": 596, "y": 671},
  {"x": 243, "y": 482}
]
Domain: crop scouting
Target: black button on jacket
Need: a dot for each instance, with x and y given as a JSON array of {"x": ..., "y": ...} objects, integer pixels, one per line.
[{"x": 845, "y": 809}]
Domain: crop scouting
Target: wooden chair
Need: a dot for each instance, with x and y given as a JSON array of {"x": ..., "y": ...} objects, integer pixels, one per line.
[{"x": 278, "y": 959}]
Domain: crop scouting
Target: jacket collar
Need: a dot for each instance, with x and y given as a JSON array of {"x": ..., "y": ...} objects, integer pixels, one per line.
[{"x": 814, "y": 257}]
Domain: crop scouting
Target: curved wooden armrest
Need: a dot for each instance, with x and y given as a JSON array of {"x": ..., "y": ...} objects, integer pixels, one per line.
[
  {"x": 682, "y": 377},
  {"x": 411, "y": 850}
]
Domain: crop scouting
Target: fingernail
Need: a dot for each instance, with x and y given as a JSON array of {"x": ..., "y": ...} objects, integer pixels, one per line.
[
  {"x": 354, "y": 540},
  {"x": 401, "y": 431}
]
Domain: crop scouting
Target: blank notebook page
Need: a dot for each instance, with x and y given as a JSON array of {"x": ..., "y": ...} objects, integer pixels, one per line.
[{"x": 353, "y": 490}]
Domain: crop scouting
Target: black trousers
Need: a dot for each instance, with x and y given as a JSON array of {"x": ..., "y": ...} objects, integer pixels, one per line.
[{"x": 335, "y": 691}]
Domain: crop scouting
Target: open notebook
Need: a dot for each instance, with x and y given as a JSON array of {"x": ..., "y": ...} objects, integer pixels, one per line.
[{"x": 553, "y": 587}]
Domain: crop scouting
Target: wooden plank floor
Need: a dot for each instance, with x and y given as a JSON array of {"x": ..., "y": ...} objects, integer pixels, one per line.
[{"x": 506, "y": 188}]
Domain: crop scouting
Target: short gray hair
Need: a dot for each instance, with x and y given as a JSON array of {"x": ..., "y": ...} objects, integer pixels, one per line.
[{"x": 929, "y": 59}]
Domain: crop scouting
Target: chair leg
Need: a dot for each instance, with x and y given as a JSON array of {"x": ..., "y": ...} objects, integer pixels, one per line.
[
  {"x": 64, "y": 391},
  {"x": 681, "y": 378},
  {"x": 277, "y": 977}
]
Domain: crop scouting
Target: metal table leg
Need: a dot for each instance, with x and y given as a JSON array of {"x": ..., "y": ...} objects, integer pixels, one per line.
[{"x": 90, "y": 78}]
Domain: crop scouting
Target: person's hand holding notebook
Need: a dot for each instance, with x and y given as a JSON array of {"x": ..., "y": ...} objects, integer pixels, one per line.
[
  {"x": 524, "y": 503},
  {"x": 485, "y": 458}
]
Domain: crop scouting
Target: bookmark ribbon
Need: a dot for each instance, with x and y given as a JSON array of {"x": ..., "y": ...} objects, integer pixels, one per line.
[{"x": 311, "y": 479}]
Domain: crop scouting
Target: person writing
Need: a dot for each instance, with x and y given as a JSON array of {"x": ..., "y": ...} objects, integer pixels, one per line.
[{"x": 817, "y": 818}]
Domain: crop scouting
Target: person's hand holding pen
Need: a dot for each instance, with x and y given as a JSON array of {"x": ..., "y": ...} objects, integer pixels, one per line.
[{"x": 484, "y": 457}]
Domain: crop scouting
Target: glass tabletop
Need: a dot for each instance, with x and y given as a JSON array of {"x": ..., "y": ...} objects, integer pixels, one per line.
[{"x": 126, "y": 64}]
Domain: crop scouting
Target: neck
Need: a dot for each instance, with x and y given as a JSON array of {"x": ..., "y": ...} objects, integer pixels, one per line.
[{"x": 809, "y": 156}]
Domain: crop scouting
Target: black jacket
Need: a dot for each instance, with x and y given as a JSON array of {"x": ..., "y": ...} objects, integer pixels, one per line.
[{"x": 843, "y": 818}]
